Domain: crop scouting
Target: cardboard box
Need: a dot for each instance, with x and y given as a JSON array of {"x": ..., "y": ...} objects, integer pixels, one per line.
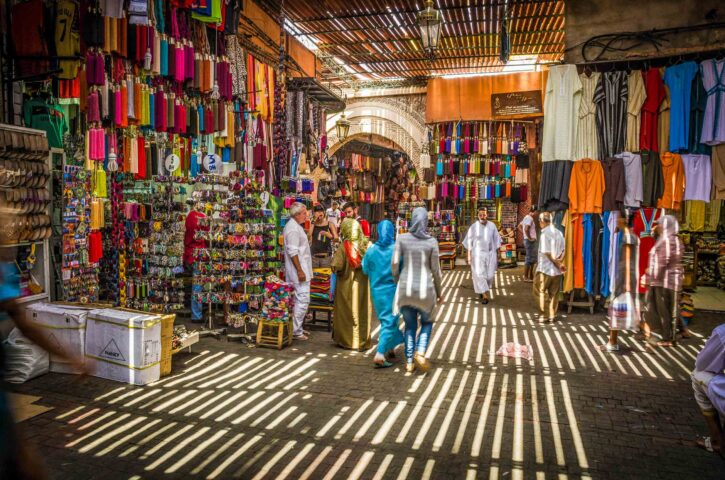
[
  {"x": 124, "y": 346},
  {"x": 64, "y": 326}
]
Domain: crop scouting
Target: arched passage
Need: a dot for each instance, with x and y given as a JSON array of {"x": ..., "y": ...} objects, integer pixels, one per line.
[
  {"x": 400, "y": 120},
  {"x": 372, "y": 138}
]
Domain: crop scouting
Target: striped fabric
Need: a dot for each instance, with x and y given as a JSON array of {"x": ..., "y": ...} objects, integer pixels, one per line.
[{"x": 610, "y": 97}]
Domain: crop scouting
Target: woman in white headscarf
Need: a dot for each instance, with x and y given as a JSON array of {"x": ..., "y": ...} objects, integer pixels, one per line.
[
  {"x": 417, "y": 271},
  {"x": 664, "y": 276}
]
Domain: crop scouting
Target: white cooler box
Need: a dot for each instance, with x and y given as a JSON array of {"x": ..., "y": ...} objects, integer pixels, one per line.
[
  {"x": 124, "y": 346},
  {"x": 64, "y": 326}
]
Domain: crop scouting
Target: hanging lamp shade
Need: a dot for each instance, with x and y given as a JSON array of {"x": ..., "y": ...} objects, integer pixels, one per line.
[
  {"x": 429, "y": 23},
  {"x": 342, "y": 126}
]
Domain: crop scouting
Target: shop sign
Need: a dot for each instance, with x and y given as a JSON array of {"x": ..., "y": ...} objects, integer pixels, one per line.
[{"x": 516, "y": 104}]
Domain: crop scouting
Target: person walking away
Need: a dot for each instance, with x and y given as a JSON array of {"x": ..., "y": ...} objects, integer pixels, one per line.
[
  {"x": 322, "y": 234},
  {"x": 351, "y": 211},
  {"x": 377, "y": 265},
  {"x": 417, "y": 271},
  {"x": 708, "y": 385},
  {"x": 192, "y": 228},
  {"x": 298, "y": 266},
  {"x": 351, "y": 320},
  {"x": 17, "y": 458},
  {"x": 333, "y": 214},
  {"x": 549, "y": 270},
  {"x": 482, "y": 241},
  {"x": 664, "y": 276},
  {"x": 528, "y": 228},
  {"x": 624, "y": 309}
]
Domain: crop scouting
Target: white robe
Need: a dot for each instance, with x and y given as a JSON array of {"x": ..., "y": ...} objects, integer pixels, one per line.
[{"x": 483, "y": 241}]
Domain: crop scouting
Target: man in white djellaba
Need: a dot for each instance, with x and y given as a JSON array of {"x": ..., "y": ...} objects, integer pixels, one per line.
[{"x": 482, "y": 241}]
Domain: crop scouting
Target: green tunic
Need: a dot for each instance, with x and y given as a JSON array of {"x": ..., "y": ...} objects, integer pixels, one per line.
[{"x": 352, "y": 317}]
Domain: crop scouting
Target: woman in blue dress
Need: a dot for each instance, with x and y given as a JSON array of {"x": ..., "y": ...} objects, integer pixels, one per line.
[{"x": 377, "y": 266}]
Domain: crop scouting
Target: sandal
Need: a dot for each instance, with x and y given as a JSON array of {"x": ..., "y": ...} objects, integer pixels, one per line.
[
  {"x": 664, "y": 344},
  {"x": 384, "y": 364},
  {"x": 706, "y": 444}
]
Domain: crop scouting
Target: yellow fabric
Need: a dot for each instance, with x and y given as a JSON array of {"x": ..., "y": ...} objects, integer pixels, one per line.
[
  {"x": 97, "y": 214},
  {"x": 99, "y": 182},
  {"x": 712, "y": 215},
  {"x": 694, "y": 216}
]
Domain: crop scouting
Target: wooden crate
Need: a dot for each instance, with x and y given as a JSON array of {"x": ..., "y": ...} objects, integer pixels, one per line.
[{"x": 274, "y": 334}]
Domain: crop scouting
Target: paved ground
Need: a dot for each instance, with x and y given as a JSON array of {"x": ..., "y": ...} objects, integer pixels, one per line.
[{"x": 316, "y": 411}]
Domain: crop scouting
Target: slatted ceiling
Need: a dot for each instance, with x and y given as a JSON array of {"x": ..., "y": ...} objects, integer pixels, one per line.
[{"x": 379, "y": 39}]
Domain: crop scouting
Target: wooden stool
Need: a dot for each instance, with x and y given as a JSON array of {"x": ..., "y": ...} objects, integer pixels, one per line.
[
  {"x": 580, "y": 304},
  {"x": 274, "y": 334},
  {"x": 448, "y": 263},
  {"x": 326, "y": 314}
]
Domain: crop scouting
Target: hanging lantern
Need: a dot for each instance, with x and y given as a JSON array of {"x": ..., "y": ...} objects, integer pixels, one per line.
[
  {"x": 342, "y": 126},
  {"x": 429, "y": 22}
]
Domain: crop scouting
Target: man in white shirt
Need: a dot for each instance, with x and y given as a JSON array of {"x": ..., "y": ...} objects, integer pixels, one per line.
[
  {"x": 482, "y": 242},
  {"x": 333, "y": 214},
  {"x": 298, "y": 265},
  {"x": 550, "y": 269},
  {"x": 528, "y": 227}
]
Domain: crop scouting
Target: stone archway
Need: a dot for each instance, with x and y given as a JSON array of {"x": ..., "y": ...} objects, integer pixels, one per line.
[
  {"x": 400, "y": 120},
  {"x": 372, "y": 138}
]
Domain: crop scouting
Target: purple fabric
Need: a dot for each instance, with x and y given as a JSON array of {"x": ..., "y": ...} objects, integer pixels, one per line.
[
  {"x": 713, "y": 79},
  {"x": 698, "y": 173},
  {"x": 189, "y": 62},
  {"x": 712, "y": 356},
  {"x": 716, "y": 393}
]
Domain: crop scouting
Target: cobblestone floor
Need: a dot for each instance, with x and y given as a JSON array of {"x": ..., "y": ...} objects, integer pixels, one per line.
[{"x": 314, "y": 411}]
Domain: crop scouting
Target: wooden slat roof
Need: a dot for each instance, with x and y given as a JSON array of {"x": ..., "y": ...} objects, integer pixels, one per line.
[{"x": 380, "y": 39}]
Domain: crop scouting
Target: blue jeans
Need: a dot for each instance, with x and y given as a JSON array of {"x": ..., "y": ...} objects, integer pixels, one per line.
[{"x": 410, "y": 316}]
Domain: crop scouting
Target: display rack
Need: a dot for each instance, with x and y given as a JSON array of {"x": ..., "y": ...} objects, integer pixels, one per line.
[{"x": 25, "y": 183}]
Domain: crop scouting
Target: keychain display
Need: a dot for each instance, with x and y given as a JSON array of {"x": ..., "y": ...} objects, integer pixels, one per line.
[
  {"x": 79, "y": 268},
  {"x": 241, "y": 245}
]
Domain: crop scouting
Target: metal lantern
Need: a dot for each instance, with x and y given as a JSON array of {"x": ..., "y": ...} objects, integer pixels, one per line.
[
  {"x": 429, "y": 22},
  {"x": 342, "y": 126}
]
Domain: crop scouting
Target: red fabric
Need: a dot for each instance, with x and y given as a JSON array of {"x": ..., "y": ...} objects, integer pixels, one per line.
[
  {"x": 192, "y": 226},
  {"x": 645, "y": 243},
  {"x": 141, "y": 175},
  {"x": 655, "y": 89},
  {"x": 353, "y": 256},
  {"x": 365, "y": 226},
  {"x": 95, "y": 246},
  {"x": 69, "y": 88}
]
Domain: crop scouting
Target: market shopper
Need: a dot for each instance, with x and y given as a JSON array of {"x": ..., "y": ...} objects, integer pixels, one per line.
[
  {"x": 322, "y": 234},
  {"x": 708, "y": 385},
  {"x": 550, "y": 269},
  {"x": 664, "y": 277},
  {"x": 17, "y": 458},
  {"x": 377, "y": 265},
  {"x": 482, "y": 241},
  {"x": 352, "y": 316},
  {"x": 528, "y": 228},
  {"x": 350, "y": 209},
  {"x": 333, "y": 214},
  {"x": 298, "y": 265},
  {"x": 417, "y": 271},
  {"x": 624, "y": 309},
  {"x": 192, "y": 231}
]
